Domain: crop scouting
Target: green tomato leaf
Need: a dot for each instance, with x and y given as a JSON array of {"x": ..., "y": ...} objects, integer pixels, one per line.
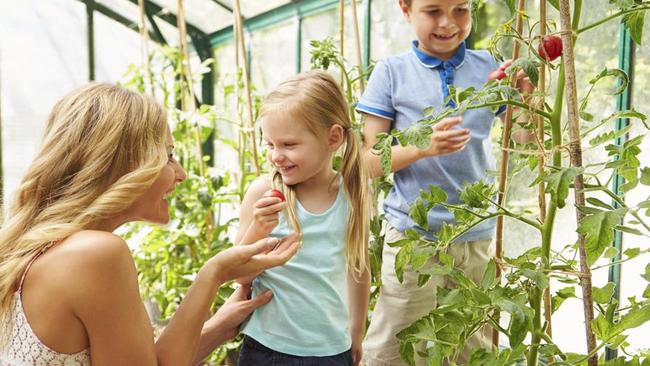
[
  {"x": 558, "y": 184},
  {"x": 634, "y": 24},
  {"x": 598, "y": 229},
  {"x": 602, "y": 295}
]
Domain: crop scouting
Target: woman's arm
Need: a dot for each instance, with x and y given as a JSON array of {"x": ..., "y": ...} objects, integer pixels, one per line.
[{"x": 107, "y": 301}]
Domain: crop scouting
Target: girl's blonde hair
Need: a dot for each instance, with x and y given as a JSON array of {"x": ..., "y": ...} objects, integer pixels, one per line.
[
  {"x": 103, "y": 147},
  {"x": 316, "y": 100}
]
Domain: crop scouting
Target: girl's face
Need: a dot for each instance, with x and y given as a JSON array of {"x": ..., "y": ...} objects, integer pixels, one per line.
[
  {"x": 295, "y": 151},
  {"x": 440, "y": 25},
  {"x": 152, "y": 206}
]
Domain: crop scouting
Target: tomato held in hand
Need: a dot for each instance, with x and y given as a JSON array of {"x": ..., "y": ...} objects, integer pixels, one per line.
[
  {"x": 550, "y": 48},
  {"x": 497, "y": 75},
  {"x": 275, "y": 193}
]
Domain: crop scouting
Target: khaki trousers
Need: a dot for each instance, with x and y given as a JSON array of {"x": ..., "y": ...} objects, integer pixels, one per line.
[{"x": 400, "y": 304}]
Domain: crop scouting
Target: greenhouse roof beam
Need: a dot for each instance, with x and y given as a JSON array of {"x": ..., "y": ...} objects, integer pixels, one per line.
[
  {"x": 155, "y": 27},
  {"x": 285, "y": 12},
  {"x": 221, "y": 4},
  {"x": 170, "y": 18},
  {"x": 104, "y": 10}
]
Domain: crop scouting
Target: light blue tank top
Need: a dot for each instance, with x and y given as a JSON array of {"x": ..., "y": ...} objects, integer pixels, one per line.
[{"x": 308, "y": 315}]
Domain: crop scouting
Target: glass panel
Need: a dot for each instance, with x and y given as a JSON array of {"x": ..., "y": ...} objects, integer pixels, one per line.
[
  {"x": 253, "y": 8},
  {"x": 321, "y": 26},
  {"x": 391, "y": 34},
  {"x": 273, "y": 53}
]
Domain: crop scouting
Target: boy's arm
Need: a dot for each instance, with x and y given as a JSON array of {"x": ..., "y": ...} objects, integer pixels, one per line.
[
  {"x": 359, "y": 295},
  {"x": 444, "y": 140},
  {"x": 526, "y": 87}
]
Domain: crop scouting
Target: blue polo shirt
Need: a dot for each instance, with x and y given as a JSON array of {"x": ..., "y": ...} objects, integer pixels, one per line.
[{"x": 399, "y": 89}]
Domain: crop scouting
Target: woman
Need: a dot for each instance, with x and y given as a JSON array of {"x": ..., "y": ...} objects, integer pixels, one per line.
[{"x": 68, "y": 286}]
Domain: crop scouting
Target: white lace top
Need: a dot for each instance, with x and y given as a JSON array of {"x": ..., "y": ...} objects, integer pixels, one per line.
[{"x": 25, "y": 349}]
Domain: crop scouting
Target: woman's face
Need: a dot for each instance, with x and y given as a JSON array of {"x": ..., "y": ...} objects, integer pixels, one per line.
[{"x": 152, "y": 206}]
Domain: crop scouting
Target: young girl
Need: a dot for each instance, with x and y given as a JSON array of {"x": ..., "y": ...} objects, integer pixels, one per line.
[{"x": 312, "y": 320}]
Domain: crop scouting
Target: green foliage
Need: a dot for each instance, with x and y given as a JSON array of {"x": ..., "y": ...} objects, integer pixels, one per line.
[
  {"x": 168, "y": 258},
  {"x": 598, "y": 228},
  {"x": 558, "y": 184},
  {"x": 464, "y": 309}
]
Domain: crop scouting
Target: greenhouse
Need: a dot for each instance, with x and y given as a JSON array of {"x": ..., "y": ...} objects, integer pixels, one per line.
[{"x": 324, "y": 182}]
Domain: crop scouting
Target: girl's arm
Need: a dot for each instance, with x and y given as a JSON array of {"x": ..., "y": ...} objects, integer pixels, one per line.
[
  {"x": 258, "y": 215},
  {"x": 358, "y": 295}
]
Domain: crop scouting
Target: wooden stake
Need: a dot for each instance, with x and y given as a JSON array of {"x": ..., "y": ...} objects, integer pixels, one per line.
[
  {"x": 239, "y": 43},
  {"x": 144, "y": 34},
  {"x": 342, "y": 34},
  {"x": 357, "y": 38},
  {"x": 576, "y": 161},
  {"x": 188, "y": 104},
  {"x": 503, "y": 165}
]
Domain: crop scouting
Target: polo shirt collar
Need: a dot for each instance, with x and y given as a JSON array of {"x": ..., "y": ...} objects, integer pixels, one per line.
[{"x": 432, "y": 62}]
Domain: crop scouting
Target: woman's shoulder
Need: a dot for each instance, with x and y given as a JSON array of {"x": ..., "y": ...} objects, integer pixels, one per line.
[
  {"x": 94, "y": 246},
  {"x": 88, "y": 256}
]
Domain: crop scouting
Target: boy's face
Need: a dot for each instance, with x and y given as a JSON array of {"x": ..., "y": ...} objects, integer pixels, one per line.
[{"x": 440, "y": 25}]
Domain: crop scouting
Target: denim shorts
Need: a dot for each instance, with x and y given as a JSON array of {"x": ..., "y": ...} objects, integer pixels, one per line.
[{"x": 254, "y": 353}]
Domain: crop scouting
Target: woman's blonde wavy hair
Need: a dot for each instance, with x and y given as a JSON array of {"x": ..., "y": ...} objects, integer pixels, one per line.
[
  {"x": 316, "y": 100},
  {"x": 103, "y": 147}
]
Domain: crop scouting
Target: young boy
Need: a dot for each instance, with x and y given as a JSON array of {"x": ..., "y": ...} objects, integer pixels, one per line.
[{"x": 398, "y": 91}]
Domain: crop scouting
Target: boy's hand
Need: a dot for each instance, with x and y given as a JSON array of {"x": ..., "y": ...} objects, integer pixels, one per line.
[
  {"x": 266, "y": 213},
  {"x": 524, "y": 84},
  {"x": 445, "y": 138}
]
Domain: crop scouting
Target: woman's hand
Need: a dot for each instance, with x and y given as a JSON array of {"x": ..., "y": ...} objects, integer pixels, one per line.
[
  {"x": 237, "y": 308},
  {"x": 250, "y": 260},
  {"x": 225, "y": 323}
]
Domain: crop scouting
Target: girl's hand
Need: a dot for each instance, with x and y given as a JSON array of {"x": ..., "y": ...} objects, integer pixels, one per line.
[
  {"x": 266, "y": 213},
  {"x": 246, "y": 260},
  {"x": 357, "y": 352},
  {"x": 446, "y": 139}
]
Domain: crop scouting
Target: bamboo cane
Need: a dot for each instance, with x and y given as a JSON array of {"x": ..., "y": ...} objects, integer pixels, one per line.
[
  {"x": 342, "y": 34},
  {"x": 144, "y": 34},
  {"x": 239, "y": 43},
  {"x": 357, "y": 38},
  {"x": 503, "y": 166},
  {"x": 576, "y": 161},
  {"x": 188, "y": 104}
]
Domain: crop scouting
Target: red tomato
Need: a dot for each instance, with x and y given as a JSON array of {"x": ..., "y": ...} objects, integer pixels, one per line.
[
  {"x": 550, "y": 48},
  {"x": 275, "y": 193},
  {"x": 497, "y": 75}
]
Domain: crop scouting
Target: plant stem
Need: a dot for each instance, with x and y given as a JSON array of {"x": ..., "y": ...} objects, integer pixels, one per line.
[
  {"x": 512, "y": 103},
  {"x": 611, "y": 17}
]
